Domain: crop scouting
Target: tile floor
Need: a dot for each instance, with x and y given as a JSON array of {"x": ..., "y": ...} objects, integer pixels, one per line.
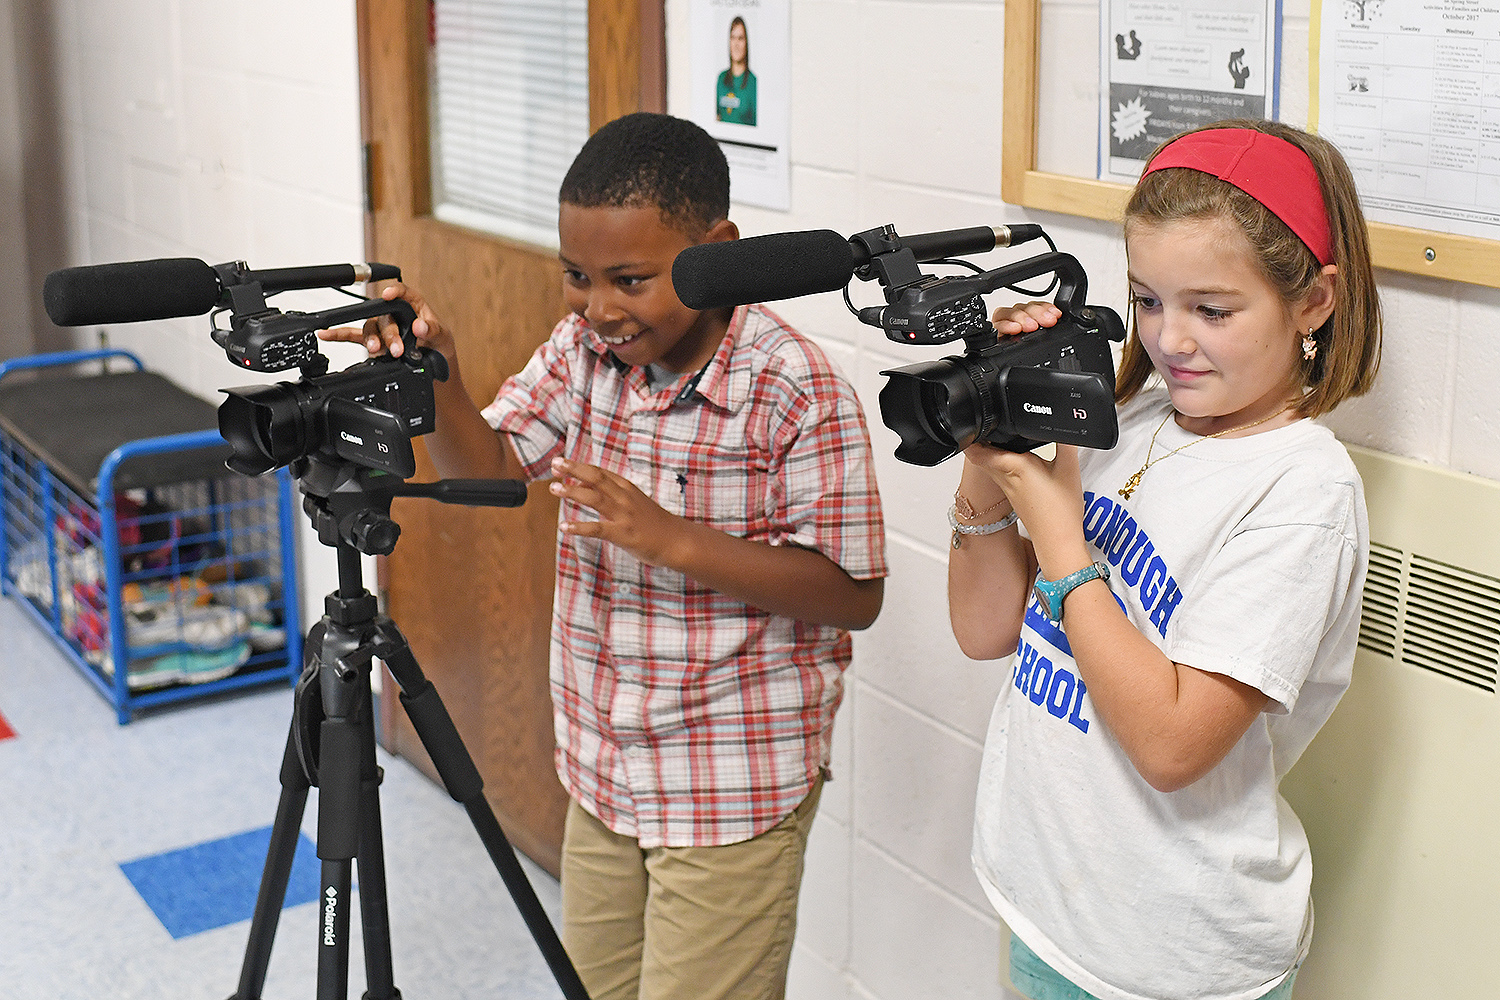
[{"x": 130, "y": 855}]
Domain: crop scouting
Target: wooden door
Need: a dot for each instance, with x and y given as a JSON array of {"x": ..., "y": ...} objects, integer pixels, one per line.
[{"x": 471, "y": 588}]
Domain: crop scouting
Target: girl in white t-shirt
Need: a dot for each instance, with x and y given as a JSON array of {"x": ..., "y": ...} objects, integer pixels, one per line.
[{"x": 1184, "y": 607}]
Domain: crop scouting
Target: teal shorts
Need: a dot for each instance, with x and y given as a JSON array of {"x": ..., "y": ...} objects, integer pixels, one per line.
[{"x": 1039, "y": 981}]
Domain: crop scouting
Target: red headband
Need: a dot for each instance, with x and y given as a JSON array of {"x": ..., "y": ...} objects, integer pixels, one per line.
[{"x": 1274, "y": 172}]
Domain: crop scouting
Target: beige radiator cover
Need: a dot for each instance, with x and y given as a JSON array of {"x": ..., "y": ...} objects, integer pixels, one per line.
[{"x": 1400, "y": 792}]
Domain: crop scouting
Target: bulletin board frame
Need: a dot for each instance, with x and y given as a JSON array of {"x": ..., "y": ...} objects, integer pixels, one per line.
[{"x": 1449, "y": 256}]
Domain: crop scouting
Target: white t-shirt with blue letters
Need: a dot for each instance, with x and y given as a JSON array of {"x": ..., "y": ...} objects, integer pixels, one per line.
[{"x": 1244, "y": 557}]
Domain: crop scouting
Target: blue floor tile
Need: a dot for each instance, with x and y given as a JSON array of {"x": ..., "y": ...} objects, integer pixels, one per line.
[
  {"x": 209, "y": 885},
  {"x": 79, "y": 793}
]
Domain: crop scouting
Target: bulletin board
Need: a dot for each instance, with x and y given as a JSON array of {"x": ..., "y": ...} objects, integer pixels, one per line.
[{"x": 1415, "y": 251}]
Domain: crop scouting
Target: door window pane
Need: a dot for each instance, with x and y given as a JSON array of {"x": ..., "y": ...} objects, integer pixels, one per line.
[{"x": 509, "y": 111}]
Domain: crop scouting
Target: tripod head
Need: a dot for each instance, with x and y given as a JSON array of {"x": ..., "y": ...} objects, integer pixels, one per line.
[{"x": 350, "y": 504}]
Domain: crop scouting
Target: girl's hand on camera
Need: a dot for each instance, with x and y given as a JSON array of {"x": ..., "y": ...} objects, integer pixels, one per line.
[
  {"x": 1048, "y": 496},
  {"x": 1024, "y": 317},
  {"x": 381, "y": 335}
]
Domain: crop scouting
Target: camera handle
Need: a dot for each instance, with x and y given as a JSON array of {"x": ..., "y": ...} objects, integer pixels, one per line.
[
  {"x": 931, "y": 309},
  {"x": 270, "y": 340},
  {"x": 1071, "y": 290},
  {"x": 1072, "y": 282}
]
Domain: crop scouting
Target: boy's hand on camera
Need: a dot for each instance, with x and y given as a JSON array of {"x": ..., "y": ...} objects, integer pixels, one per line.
[
  {"x": 1024, "y": 317},
  {"x": 627, "y": 517},
  {"x": 381, "y": 335}
]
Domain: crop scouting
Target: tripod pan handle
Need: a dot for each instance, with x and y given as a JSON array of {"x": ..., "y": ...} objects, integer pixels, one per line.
[{"x": 470, "y": 492}]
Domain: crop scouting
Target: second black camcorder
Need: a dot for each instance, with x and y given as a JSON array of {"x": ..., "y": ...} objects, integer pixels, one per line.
[
  {"x": 365, "y": 415},
  {"x": 1054, "y": 384}
]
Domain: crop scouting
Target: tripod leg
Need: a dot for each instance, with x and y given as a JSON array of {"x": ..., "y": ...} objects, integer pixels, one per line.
[
  {"x": 373, "y": 908},
  {"x": 338, "y": 842},
  {"x": 278, "y": 870},
  {"x": 461, "y": 778},
  {"x": 333, "y": 956}
]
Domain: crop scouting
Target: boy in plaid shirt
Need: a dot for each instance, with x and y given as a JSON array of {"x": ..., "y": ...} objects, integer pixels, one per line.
[{"x": 720, "y": 534}]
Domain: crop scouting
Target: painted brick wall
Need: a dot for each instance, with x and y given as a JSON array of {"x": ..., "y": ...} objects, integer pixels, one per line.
[{"x": 201, "y": 129}]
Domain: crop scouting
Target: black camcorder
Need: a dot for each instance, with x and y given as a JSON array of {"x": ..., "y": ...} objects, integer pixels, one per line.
[
  {"x": 1055, "y": 384},
  {"x": 365, "y": 415}
]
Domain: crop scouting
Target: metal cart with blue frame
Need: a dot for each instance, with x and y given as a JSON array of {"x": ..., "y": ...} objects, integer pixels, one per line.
[{"x": 162, "y": 575}]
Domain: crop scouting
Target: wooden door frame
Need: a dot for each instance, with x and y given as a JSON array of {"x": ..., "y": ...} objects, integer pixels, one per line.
[{"x": 627, "y": 72}]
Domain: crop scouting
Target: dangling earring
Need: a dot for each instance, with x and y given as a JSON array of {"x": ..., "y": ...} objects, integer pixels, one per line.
[{"x": 1309, "y": 346}]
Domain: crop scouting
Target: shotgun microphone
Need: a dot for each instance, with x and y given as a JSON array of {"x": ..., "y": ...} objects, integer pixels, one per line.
[
  {"x": 788, "y": 265},
  {"x": 136, "y": 291}
]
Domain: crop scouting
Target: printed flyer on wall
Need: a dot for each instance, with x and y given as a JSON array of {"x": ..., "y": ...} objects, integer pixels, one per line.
[
  {"x": 741, "y": 92},
  {"x": 1173, "y": 65},
  {"x": 1409, "y": 90}
]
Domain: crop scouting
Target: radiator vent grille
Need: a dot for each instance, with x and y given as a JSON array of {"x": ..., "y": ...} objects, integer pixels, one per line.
[
  {"x": 1380, "y": 620},
  {"x": 1432, "y": 615}
]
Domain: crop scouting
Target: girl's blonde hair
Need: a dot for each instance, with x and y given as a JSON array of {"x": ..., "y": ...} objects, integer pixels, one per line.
[{"x": 1348, "y": 354}]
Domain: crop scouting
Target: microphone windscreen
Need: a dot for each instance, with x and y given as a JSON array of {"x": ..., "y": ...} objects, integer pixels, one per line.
[
  {"x": 130, "y": 292},
  {"x": 762, "y": 269}
]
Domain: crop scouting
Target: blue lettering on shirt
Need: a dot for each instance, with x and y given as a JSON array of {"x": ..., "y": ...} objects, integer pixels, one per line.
[
  {"x": 1106, "y": 537},
  {"x": 1162, "y": 613},
  {"x": 1044, "y": 626},
  {"x": 1127, "y": 546},
  {"x": 1053, "y": 688},
  {"x": 1129, "y": 549},
  {"x": 1135, "y": 559}
]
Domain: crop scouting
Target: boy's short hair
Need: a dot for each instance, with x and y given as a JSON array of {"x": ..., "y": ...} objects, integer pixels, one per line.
[{"x": 652, "y": 159}]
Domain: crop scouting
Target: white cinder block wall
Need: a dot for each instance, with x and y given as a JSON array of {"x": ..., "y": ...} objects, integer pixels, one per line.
[
  {"x": 896, "y": 118},
  {"x": 208, "y": 129},
  {"x": 198, "y": 128}
]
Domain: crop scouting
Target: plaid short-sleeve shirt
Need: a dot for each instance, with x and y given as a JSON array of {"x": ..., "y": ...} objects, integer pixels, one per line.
[{"x": 685, "y": 717}]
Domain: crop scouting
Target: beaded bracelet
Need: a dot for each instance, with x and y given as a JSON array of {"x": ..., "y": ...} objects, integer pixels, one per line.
[
  {"x": 960, "y": 529},
  {"x": 966, "y": 508}
]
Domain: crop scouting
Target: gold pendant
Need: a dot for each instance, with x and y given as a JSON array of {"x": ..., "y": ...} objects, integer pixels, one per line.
[
  {"x": 957, "y": 539},
  {"x": 1131, "y": 484}
]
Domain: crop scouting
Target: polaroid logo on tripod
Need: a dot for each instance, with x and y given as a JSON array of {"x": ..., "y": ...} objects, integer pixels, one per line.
[{"x": 330, "y": 912}]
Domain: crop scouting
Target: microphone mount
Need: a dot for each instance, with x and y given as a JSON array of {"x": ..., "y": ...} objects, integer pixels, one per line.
[
  {"x": 265, "y": 339},
  {"x": 932, "y": 309}
]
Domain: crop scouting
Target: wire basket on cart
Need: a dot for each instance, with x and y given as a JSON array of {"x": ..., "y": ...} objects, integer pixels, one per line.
[{"x": 162, "y": 575}]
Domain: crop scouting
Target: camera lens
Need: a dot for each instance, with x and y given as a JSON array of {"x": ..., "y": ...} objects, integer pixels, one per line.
[
  {"x": 931, "y": 406},
  {"x": 935, "y": 404},
  {"x": 263, "y": 425}
]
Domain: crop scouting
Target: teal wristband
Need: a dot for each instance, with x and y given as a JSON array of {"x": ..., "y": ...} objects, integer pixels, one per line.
[{"x": 1052, "y": 592}]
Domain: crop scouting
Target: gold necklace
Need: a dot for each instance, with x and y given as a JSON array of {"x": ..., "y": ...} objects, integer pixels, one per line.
[{"x": 1135, "y": 480}]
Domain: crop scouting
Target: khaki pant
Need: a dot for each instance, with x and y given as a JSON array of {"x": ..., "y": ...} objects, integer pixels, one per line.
[{"x": 682, "y": 923}]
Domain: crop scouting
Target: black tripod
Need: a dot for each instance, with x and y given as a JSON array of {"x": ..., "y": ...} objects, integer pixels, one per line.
[{"x": 331, "y": 743}]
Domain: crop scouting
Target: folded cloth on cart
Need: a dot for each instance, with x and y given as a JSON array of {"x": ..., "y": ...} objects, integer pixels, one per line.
[
  {"x": 209, "y": 626},
  {"x": 182, "y": 590},
  {"x": 250, "y": 596},
  {"x": 179, "y": 612},
  {"x": 162, "y": 601},
  {"x": 220, "y": 639},
  {"x": 191, "y": 667},
  {"x": 33, "y": 579}
]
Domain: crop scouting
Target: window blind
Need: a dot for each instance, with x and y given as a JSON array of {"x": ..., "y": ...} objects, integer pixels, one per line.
[{"x": 509, "y": 110}]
